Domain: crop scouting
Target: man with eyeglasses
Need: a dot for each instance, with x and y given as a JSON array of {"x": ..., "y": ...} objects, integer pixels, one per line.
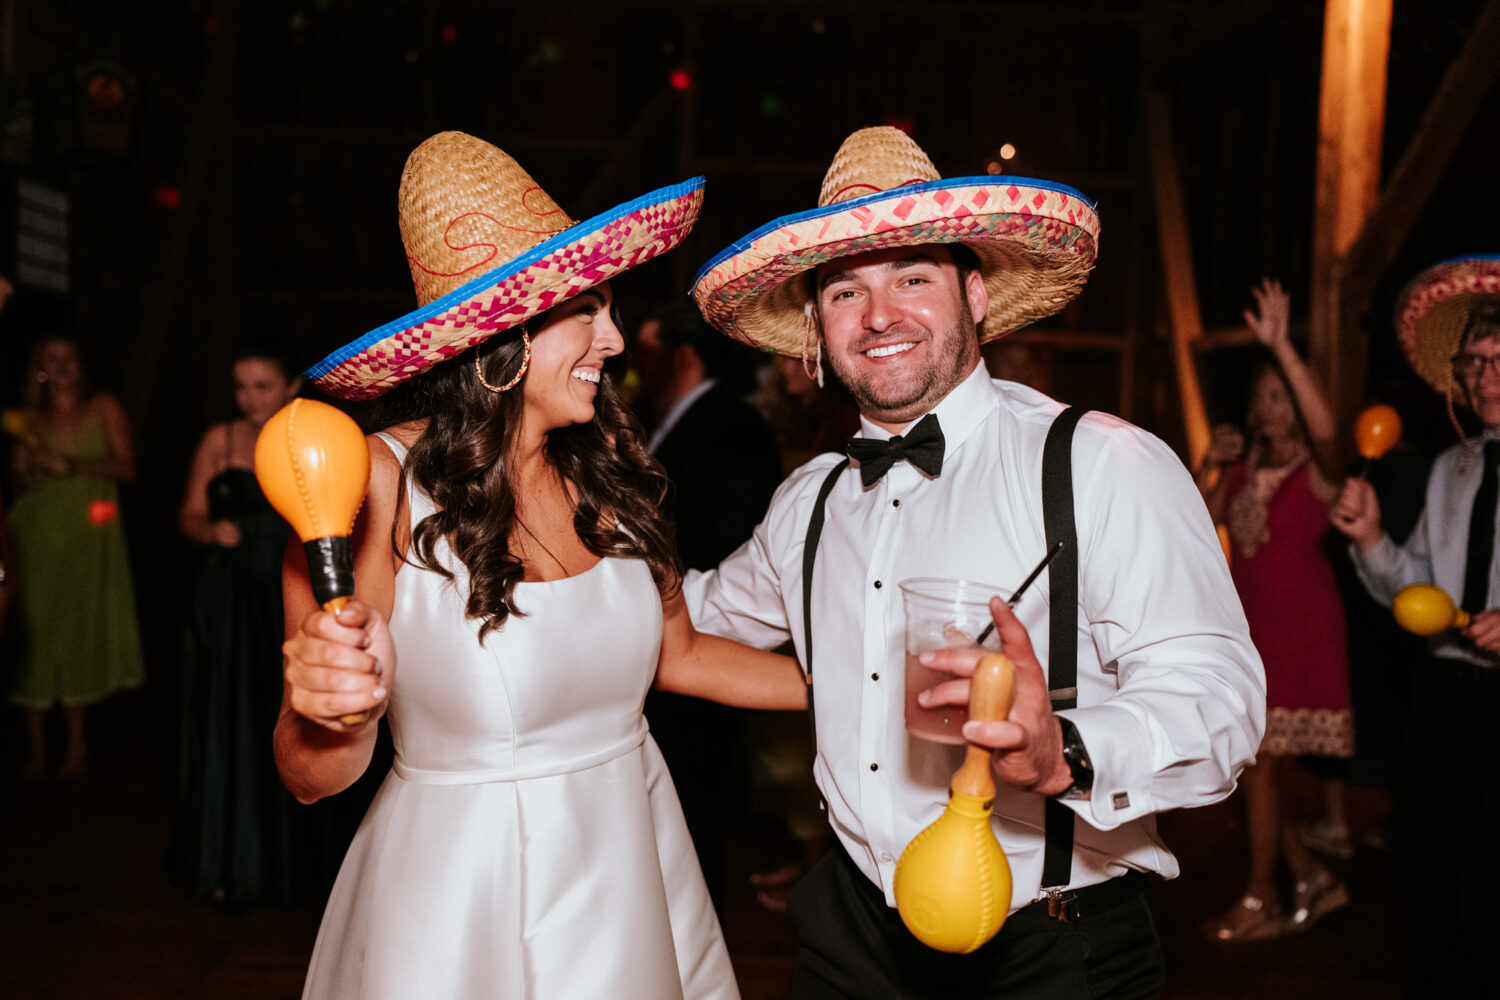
[{"x": 1447, "y": 791}]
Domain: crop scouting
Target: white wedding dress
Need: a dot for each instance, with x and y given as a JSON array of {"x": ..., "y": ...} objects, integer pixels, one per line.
[{"x": 528, "y": 843}]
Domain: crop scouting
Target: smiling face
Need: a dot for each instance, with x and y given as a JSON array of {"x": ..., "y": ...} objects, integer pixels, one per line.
[
  {"x": 1273, "y": 415},
  {"x": 567, "y": 360},
  {"x": 898, "y": 328},
  {"x": 1482, "y": 387},
  {"x": 261, "y": 388},
  {"x": 58, "y": 362}
]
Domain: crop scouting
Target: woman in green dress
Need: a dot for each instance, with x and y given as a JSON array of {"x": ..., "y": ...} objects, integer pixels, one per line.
[{"x": 75, "y": 612}]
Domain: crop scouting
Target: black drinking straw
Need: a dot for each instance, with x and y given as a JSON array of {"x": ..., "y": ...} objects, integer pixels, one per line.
[{"x": 1056, "y": 548}]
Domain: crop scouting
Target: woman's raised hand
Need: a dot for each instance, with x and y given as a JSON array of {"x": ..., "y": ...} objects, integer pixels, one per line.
[
  {"x": 340, "y": 665},
  {"x": 1271, "y": 318}
]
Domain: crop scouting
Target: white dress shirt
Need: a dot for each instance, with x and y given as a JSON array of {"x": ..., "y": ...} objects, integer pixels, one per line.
[
  {"x": 1171, "y": 691},
  {"x": 1437, "y": 550}
]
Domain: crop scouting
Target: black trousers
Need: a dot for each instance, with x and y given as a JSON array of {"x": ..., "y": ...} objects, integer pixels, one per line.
[
  {"x": 852, "y": 946},
  {"x": 1446, "y": 816}
]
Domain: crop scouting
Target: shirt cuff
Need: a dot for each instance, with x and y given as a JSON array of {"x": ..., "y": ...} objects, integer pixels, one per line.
[
  {"x": 1380, "y": 561},
  {"x": 1115, "y": 742}
]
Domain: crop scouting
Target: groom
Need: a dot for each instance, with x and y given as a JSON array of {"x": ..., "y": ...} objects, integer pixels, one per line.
[{"x": 893, "y": 282}]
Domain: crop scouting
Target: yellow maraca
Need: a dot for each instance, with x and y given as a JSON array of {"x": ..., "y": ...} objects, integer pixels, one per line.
[
  {"x": 1376, "y": 431},
  {"x": 313, "y": 466},
  {"x": 952, "y": 883},
  {"x": 1423, "y": 609}
]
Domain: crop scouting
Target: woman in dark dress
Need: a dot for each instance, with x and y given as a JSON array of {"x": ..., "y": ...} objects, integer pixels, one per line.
[{"x": 232, "y": 839}]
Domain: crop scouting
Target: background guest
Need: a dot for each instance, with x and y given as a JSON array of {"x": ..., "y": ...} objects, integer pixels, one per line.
[
  {"x": 1447, "y": 796},
  {"x": 79, "y": 640},
  {"x": 724, "y": 465},
  {"x": 1274, "y": 497},
  {"x": 232, "y": 838}
]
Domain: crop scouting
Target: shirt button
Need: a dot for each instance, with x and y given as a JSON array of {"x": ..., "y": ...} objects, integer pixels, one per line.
[
  {"x": 895, "y": 503},
  {"x": 875, "y": 677},
  {"x": 886, "y": 857},
  {"x": 874, "y": 767},
  {"x": 878, "y": 584}
]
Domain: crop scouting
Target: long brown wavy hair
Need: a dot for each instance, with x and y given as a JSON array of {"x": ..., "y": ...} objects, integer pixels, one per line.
[{"x": 462, "y": 462}]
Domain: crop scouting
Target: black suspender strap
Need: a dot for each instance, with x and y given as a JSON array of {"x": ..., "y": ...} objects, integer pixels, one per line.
[
  {"x": 1062, "y": 658},
  {"x": 1062, "y": 672},
  {"x": 810, "y": 556}
]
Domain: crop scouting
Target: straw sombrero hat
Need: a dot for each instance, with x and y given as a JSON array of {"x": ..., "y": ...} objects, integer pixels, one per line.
[
  {"x": 1432, "y": 311},
  {"x": 1035, "y": 240},
  {"x": 488, "y": 250}
]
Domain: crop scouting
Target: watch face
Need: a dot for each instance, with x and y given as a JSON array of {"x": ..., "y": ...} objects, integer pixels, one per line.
[{"x": 1078, "y": 761}]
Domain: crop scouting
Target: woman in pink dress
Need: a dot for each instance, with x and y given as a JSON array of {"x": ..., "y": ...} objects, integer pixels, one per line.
[{"x": 1273, "y": 498}]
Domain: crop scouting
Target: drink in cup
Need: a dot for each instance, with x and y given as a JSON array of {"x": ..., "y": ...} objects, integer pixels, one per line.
[{"x": 941, "y": 614}]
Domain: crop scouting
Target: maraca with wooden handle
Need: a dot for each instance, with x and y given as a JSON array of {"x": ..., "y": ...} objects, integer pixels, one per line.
[
  {"x": 952, "y": 884},
  {"x": 1423, "y": 609},
  {"x": 313, "y": 465},
  {"x": 1376, "y": 431}
]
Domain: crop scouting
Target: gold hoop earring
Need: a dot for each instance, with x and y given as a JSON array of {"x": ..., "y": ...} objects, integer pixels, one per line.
[{"x": 525, "y": 363}]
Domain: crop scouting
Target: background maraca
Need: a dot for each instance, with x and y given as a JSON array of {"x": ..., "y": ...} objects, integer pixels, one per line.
[
  {"x": 1376, "y": 431},
  {"x": 1423, "y": 609}
]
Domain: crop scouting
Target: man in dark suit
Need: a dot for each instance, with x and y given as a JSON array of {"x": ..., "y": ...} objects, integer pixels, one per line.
[{"x": 724, "y": 465}]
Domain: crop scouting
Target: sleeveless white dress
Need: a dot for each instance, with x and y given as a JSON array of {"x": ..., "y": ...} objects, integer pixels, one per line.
[{"x": 528, "y": 843}]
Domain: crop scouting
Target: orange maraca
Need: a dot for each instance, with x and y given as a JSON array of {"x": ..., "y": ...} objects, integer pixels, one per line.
[
  {"x": 952, "y": 883},
  {"x": 1376, "y": 431},
  {"x": 1423, "y": 609},
  {"x": 313, "y": 466}
]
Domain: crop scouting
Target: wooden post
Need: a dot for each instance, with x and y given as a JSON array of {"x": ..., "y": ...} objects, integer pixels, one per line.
[
  {"x": 1177, "y": 264},
  {"x": 1351, "y": 117},
  {"x": 1448, "y": 118}
]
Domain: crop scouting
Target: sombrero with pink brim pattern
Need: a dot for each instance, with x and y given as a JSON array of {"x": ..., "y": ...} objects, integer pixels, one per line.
[
  {"x": 1036, "y": 241},
  {"x": 488, "y": 250},
  {"x": 1432, "y": 311}
]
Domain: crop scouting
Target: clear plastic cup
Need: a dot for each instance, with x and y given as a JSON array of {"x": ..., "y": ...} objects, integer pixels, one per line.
[{"x": 941, "y": 614}]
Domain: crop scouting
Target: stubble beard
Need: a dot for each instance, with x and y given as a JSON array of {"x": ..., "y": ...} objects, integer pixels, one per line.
[{"x": 897, "y": 400}]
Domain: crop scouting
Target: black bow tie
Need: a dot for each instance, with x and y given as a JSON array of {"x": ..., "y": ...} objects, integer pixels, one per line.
[{"x": 922, "y": 446}]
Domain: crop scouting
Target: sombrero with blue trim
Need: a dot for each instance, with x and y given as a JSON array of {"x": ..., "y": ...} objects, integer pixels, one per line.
[
  {"x": 488, "y": 250},
  {"x": 1036, "y": 241},
  {"x": 1432, "y": 311}
]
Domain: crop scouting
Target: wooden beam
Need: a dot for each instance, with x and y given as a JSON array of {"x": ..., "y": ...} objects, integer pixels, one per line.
[
  {"x": 1449, "y": 115},
  {"x": 144, "y": 370},
  {"x": 1069, "y": 340},
  {"x": 1351, "y": 116},
  {"x": 1177, "y": 264}
]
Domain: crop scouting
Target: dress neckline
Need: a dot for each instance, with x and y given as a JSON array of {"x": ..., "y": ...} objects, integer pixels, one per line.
[{"x": 564, "y": 579}]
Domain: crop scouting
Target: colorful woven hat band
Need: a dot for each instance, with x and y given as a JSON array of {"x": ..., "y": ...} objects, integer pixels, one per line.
[
  {"x": 1036, "y": 241},
  {"x": 489, "y": 249},
  {"x": 1433, "y": 310}
]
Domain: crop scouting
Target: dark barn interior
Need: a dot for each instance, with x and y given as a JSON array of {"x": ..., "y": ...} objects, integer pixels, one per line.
[{"x": 220, "y": 169}]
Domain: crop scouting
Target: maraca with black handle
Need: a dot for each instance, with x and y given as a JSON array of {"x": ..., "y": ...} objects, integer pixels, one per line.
[{"x": 313, "y": 465}]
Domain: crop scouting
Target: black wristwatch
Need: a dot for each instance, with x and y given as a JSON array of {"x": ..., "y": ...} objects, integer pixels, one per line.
[{"x": 1078, "y": 762}]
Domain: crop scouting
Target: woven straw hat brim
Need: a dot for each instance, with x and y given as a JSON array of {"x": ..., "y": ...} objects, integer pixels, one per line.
[
  {"x": 1036, "y": 241},
  {"x": 1432, "y": 311},
  {"x": 590, "y": 253}
]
